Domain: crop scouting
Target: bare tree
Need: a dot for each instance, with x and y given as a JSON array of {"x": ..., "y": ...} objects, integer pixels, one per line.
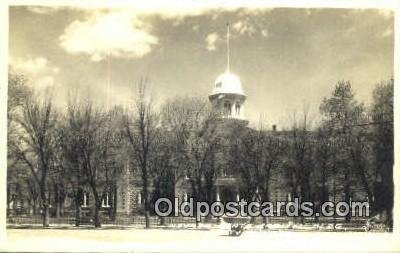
[
  {"x": 192, "y": 127},
  {"x": 88, "y": 139},
  {"x": 38, "y": 145},
  {"x": 114, "y": 159},
  {"x": 299, "y": 164},
  {"x": 177, "y": 122},
  {"x": 201, "y": 149},
  {"x": 323, "y": 154},
  {"x": 257, "y": 157},
  {"x": 163, "y": 167},
  {"x": 140, "y": 131},
  {"x": 71, "y": 161},
  {"x": 17, "y": 172}
]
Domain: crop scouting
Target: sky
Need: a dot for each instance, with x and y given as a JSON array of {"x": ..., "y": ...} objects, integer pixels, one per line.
[{"x": 287, "y": 59}]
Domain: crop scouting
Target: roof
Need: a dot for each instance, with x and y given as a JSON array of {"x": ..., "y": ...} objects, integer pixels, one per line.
[{"x": 228, "y": 83}]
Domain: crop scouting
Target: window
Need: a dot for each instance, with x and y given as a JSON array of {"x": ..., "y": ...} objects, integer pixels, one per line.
[
  {"x": 237, "y": 108},
  {"x": 123, "y": 199},
  {"x": 227, "y": 107},
  {"x": 105, "y": 202},
  {"x": 85, "y": 201}
]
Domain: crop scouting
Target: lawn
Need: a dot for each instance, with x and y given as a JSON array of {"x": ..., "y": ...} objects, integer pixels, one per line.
[{"x": 190, "y": 240}]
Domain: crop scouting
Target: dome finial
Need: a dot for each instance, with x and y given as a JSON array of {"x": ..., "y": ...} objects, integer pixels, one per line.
[{"x": 227, "y": 48}]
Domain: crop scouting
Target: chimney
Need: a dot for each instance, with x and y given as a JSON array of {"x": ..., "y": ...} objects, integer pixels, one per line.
[{"x": 274, "y": 128}]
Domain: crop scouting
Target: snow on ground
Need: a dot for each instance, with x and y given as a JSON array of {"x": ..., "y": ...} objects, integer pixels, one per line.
[{"x": 191, "y": 240}]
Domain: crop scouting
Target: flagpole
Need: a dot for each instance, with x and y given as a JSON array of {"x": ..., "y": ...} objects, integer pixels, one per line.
[{"x": 227, "y": 49}]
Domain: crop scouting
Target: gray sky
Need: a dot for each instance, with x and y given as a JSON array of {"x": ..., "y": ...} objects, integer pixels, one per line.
[{"x": 285, "y": 58}]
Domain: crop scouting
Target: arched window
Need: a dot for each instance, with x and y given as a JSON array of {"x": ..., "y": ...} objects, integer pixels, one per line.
[
  {"x": 227, "y": 107},
  {"x": 105, "y": 201},
  {"x": 85, "y": 199},
  {"x": 139, "y": 198},
  {"x": 237, "y": 108}
]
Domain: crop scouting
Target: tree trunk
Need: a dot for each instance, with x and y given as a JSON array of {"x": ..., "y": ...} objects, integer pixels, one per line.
[
  {"x": 62, "y": 207},
  {"x": 146, "y": 196},
  {"x": 45, "y": 205},
  {"x": 46, "y": 216},
  {"x": 146, "y": 208},
  {"x": 97, "y": 204},
  {"x": 265, "y": 199},
  {"x": 334, "y": 201},
  {"x": 347, "y": 193},
  {"x": 34, "y": 206},
  {"x": 8, "y": 200},
  {"x": 97, "y": 223},
  {"x": 147, "y": 217},
  {"x": 265, "y": 221},
  {"x": 115, "y": 202},
  {"x": 77, "y": 211},
  {"x": 58, "y": 209},
  {"x": 57, "y": 200}
]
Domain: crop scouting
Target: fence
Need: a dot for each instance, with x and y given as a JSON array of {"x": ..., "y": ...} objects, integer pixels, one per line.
[
  {"x": 33, "y": 220},
  {"x": 122, "y": 220},
  {"x": 119, "y": 221}
]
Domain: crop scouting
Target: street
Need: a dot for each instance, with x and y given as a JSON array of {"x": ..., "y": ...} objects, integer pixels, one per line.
[{"x": 189, "y": 240}]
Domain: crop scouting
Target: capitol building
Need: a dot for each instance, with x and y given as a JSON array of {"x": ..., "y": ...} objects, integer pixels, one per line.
[{"x": 228, "y": 98}]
